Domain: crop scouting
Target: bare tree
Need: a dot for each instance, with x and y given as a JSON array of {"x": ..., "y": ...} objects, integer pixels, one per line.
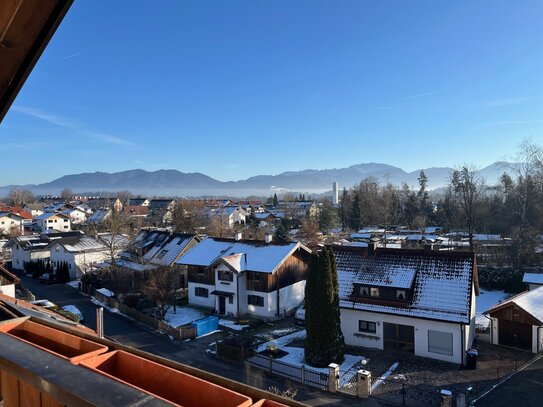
[
  {"x": 119, "y": 228},
  {"x": 160, "y": 286},
  {"x": 66, "y": 194},
  {"x": 19, "y": 196},
  {"x": 188, "y": 216},
  {"x": 469, "y": 189},
  {"x": 118, "y": 279}
]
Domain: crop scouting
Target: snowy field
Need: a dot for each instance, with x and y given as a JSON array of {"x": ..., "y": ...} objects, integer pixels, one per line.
[
  {"x": 182, "y": 316},
  {"x": 232, "y": 325},
  {"x": 485, "y": 301}
]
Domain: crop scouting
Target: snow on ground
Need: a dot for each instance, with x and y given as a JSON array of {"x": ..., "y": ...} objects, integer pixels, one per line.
[
  {"x": 209, "y": 333},
  {"x": 232, "y": 325},
  {"x": 106, "y": 292},
  {"x": 277, "y": 332},
  {"x": 74, "y": 284},
  {"x": 485, "y": 301},
  {"x": 384, "y": 376},
  {"x": 182, "y": 316},
  {"x": 100, "y": 304},
  {"x": 282, "y": 341}
]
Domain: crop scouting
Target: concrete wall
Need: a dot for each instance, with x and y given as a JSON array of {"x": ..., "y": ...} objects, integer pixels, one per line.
[{"x": 349, "y": 326}]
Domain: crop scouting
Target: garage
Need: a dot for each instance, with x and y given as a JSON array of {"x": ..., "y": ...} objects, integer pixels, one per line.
[{"x": 516, "y": 322}]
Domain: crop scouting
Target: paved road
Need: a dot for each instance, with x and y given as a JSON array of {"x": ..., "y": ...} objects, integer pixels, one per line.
[
  {"x": 523, "y": 389},
  {"x": 127, "y": 332}
]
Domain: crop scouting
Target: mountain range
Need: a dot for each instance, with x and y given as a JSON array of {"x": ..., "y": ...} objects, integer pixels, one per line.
[{"x": 176, "y": 183}]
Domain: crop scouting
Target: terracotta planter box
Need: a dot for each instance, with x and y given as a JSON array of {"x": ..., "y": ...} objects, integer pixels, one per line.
[
  {"x": 163, "y": 382},
  {"x": 59, "y": 343},
  {"x": 268, "y": 403}
]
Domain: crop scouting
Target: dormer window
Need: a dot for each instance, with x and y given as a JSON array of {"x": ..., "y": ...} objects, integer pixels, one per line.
[{"x": 401, "y": 295}]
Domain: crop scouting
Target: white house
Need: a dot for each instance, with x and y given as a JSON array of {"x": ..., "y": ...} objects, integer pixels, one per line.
[
  {"x": 53, "y": 221},
  {"x": 81, "y": 253},
  {"x": 518, "y": 321},
  {"x": 418, "y": 301},
  {"x": 77, "y": 215},
  {"x": 7, "y": 282},
  {"x": 265, "y": 280},
  {"x": 11, "y": 223},
  {"x": 228, "y": 215},
  {"x": 34, "y": 247}
]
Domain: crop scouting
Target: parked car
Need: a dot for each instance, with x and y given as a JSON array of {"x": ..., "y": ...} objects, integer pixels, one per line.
[
  {"x": 74, "y": 310},
  {"x": 48, "y": 278}
]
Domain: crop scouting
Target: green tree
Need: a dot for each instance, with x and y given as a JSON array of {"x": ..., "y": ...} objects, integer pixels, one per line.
[
  {"x": 324, "y": 341},
  {"x": 275, "y": 201},
  {"x": 280, "y": 234},
  {"x": 327, "y": 217}
]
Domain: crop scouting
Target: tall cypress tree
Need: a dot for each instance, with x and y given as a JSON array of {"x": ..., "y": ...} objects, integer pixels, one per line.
[{"x": 324, "y": 342}]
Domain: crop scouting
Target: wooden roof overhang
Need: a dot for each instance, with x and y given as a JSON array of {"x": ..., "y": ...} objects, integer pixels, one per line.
[{"x": 26, "y": 27}]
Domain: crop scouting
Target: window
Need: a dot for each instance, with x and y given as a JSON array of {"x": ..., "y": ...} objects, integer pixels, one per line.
[
  {"x": 230, "y": 300},
  {"x": 201, "y": 292},
  {"x": 374, "y": 292},
  {"x": 255, "y": 300},
  {"x": 440, "y": 342},
  {"x": 161, "y": 254},
  {"x": 401, "y": 295},
  {"x": 225, "y": 275},
  {"x": 364, "y": 291},
  {"x": 367, "y": 326}
]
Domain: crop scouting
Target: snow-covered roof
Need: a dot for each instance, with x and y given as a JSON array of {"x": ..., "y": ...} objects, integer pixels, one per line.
[
  {"x": 442, "y": 281},
  {"x": 48, "y": 215},
  {"x": 259, "y": 256},
  {"x": 533, "y": 278},
  {"x": 360, "y": 235},
  {"x": 81, "y": 244},
  {"x": 159, "y": 246},
  {"x": 99, "y": 215},
  {"x": 529, "y": 301},
  {"x": 385, "y": 275},
  {"x": 106, "y": 292}
]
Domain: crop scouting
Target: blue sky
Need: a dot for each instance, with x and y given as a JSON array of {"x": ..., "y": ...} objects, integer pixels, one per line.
[{"x": 239, "y": 88}]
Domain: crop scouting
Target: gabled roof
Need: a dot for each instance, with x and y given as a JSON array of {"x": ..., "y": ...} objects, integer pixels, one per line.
[
  {"x": 17, "y": 210},
  {"x": 533, "y": 278},
  {"x": 81, "y": 244},
  {"x": 48, "y": 215},
  {"x": 246, "y": 255},
  {"x": 99, "y": 215},
  {"x": 442, "y": 281},
  {"x": 530, "y": 301},
  {"x": 160, "y": 247}
]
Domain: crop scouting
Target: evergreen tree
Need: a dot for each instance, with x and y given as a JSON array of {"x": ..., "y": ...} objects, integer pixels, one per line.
[
  {"x": 354, "y": 219},
  {"x": 280, "y": 234},
  {"x": 324, "y": 341},
  {"x": 275, "y": 201}
]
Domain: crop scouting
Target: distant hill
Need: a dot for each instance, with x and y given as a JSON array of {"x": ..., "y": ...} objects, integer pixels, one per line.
[{"x": 173, "y": 182}]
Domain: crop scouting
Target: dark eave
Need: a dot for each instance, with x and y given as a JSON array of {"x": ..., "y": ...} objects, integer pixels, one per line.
[{"x": 26, "y": 26}]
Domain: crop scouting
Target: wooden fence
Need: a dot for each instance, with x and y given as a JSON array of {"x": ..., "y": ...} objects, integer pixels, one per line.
[{"x": 178, "y": 333}]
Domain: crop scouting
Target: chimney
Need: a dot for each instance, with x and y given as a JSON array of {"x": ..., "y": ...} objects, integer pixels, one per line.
[
  {"x": 268, "y": 238},
  {"x": 372, "y": 246},
  {"x": 238, "y": 236}
]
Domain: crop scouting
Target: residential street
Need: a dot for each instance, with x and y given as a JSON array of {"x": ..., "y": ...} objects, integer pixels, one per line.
[{"x": 130, "y": 333}]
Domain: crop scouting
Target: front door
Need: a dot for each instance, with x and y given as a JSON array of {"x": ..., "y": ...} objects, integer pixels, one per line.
[
  {"x": 222, "y": 305},
  {"x": 399, "y": 337}
]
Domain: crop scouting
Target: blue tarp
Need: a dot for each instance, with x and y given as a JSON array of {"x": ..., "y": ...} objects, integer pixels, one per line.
[{"x": 206, "y": 325}]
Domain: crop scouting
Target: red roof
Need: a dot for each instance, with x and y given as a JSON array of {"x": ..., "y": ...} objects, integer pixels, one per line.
[{"x": 17, "y": 210}]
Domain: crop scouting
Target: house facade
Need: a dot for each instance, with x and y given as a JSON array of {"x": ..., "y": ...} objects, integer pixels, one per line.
[
  {"x": 416, "y": 301},
  {"x": 235, "y": 277},
  {"x": 11, "y": 224},
  {"x": 53, "y": 221},
  {"x": 7, "y": 282},
  {"x": 77, "y": 216}
]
